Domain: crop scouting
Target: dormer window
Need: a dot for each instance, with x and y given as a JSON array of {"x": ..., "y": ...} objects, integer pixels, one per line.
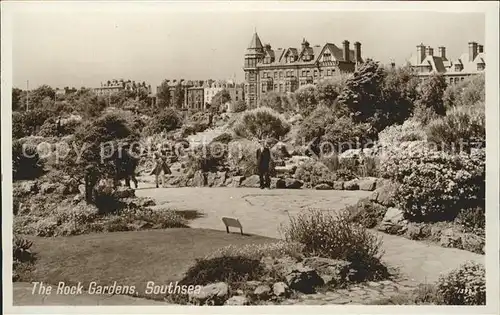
[
  {"x": 327, "y": 57},
  {"x": 458, "y": 67},
  {"x": 480, "y": 66}
]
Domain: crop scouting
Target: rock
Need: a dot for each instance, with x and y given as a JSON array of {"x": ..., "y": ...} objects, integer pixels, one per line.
[
  {"x": 323, "y": 187},
  {"x": 473, "y": 242},
  {"x": 262, "y": 292},
  {"x": 198, "y": 179},
  {"x": 414, "y": 231},
  {"x": 237, "y": 300},
  {"x": 292, "y": 183},
  {"x": 29, "y": 187},
  {"x": 215, "y": 293},
  {"x": 280, "y": 289},
  {"x": 385, "y": 194},
  {"x": 211, "y": 179},
  {"x": 303, "y": 279},
  {"x": 235, "y": 181},
  {"x": 351, "y": 185},
  {"x": 252, "y": 284},
  {"x": 77, "y": 199},
  {"x": 124, "y": 192},
  {"x": 47, "y": 188},
  {"x": 373, "y": 197},
  {"x": 393, "y": 221},
  {"x": 279, "y": 183},
  {"x": 338, "y": 185},
  {"x": 251, "y": 182},
  {"x": 69, "y": 187},
  {"x": 286, "y": 170},
  {"x": 220, "y": 179},
  {"x": 367, "y": 184},
  {"x": 299, "y": 159},
  {"x": 81, "y": 189},
  {"x": 332, "y": 271},
  {"x": 450, "y": 238}
]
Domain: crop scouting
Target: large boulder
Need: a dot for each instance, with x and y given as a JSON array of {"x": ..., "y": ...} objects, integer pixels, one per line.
[
  {"x": 367, "y": 184},
  {"x": 234, "y": 181},
  {"x": 338, "y": 185},
  {"x": 292, "y": 183},
  {"x": 281, "y": 289},
  {"x": 287, "y": 170},
  {"x": 29, "y": 187},
  {"x": 251, "y": 182},
  {"x": 393, "y": 221},
  {"x": 262, "y": 292},
  {"x": 473, "y": 242},
  {"x": 351, "y": 185},
  {"x": 237, "y": 300},
  {"x": 323, "y": 187},
  {"x": 278, "y": 183},
  {"x": 384, "y": 195},
  {"x": 211, "y": 179},
  {"x": 47, "y": 188},
  {"x": 211, "y": 294},
  {"x": 332, "y": 271},
  {"x": 303, "y": 279},
  {"x": 220, "y": 179}
]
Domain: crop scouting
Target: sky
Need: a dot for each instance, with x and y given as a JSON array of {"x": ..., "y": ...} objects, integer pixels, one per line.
[{"x": 84, "y": 46}]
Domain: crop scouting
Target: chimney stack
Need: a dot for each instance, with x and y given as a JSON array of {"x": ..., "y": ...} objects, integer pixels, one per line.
[
  {"x": 442, "y": 52},
  {"x": 472, "y": 51},
  {"x": 429, "y": 51},
  {"x": 346, "y": 50},
  {"x": 357, "y": 52},
  {"x": 420, "y": 53},
  {"x": 480, "y": 49}
]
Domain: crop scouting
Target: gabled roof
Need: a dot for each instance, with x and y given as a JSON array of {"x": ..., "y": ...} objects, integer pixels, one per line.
[{"x": 255, "y": 45}]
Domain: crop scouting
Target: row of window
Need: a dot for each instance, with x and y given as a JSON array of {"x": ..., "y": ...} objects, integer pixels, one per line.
[{"x": 290, "y": 73}]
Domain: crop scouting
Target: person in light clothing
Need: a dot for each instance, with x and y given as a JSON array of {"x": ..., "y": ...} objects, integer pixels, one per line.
[{"x": 160, "y": 169}]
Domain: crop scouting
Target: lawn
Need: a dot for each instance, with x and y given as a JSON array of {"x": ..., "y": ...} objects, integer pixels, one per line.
[{"x": 130, "y": 258}]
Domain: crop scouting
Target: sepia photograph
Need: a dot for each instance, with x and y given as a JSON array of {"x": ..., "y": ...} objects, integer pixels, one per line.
[{"x": 260, "y": 157}]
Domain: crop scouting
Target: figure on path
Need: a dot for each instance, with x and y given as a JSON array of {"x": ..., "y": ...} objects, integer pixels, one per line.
[
  {"x": 91, "y": 179},
  {"x": 263, "y": 162},
  {"x": 160, "y": 168},
  {"x": 126, "y": 166}
]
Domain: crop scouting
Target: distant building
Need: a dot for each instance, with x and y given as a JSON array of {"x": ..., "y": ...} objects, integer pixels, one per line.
[
  {"x": 285, "y": 70},
  {"x": 114, "y": 86},
  {"x": 425, "y": 63},
  {"x": 197, "y": 94}
]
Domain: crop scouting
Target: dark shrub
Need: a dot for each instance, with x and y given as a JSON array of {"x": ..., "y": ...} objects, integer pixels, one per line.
[
  {"x": 227, "y": 269},
  {"x": 472, "y": 220},
  {"x": 26, "y": 163},
  {"x": 166, "y": 120},
  {"x": 313, "y": 173}
]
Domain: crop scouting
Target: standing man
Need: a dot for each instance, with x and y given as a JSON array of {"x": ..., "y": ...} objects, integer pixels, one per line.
[
  {"x": 160, "y": 169},
  {"x": 91, "y": 178},
  {"x": 263, "y": 162}
]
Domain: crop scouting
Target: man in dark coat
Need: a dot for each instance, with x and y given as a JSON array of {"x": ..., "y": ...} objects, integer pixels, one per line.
[
  {"x": 91, "y": 179},
  {"x": 263, "y": 162}
]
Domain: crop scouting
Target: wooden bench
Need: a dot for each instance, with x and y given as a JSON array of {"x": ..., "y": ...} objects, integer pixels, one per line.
[{"x": 232, "y": 222}]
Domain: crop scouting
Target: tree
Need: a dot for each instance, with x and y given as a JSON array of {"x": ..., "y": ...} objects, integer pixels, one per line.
[
  {"x": 16, "y": 99},
  {"x": 277, "y": 101},
  {"x": 431, "y": 94},
  {"x": 38, "y": 95},
  {"x": 261, "y": 123},
  {"x": 163, "y": 95},
  {"x": 239, "y": 106},
  {"x": 307, "y": 99},
  {"x": 167, "y": 120},
  {"x": 178, "y": 96},
  {"x": 219, "y": 99},
  {"x": 329, "y": 90}
]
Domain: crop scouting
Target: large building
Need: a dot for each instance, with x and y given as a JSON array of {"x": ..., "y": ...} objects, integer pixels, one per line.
[
  {"x": 114, "y": 86},
  {"x": 235, "y": 90},
  {"x": 425, "y": 63},
  {"x": 286, "y": 69}
]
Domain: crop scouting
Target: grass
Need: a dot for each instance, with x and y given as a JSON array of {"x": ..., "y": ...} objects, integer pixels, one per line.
[{"x": 130, "y": 258}]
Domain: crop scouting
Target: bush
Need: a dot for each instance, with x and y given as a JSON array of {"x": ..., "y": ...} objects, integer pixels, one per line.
[
  {"x": 431, "y": 94},
  {"x": 435, "y": 185},
  {"x": 167, "y": 120},
  {"x": 26, "y": 163},
  {"x": 329, "y": 90},
  {"x": 261, "y": 123},
  {"x": 472, "y": 220},
  {"x": 461, "y": 129},
  {"x": 239, "y": 106},
  {"x": 410, "y": 130},
  {"x": 333, "y": 236},
  {"x": 257, "y": 251},
  {"x": 345, "y": 134},
  {"x": 21, "y": 250},
  {"x": 276, "y": 101},
  {"x": 227, "y": 269},
  {"x": 466, "y": 93},
  {"x": 465, "y": 285},
  {"x": 313, "y": 173},
  {"x": 223, "y": 138},
  {"x": 314, "y": 125},
  {"x": 207, "y": 158},
  {"x": 366, "y": 213}
]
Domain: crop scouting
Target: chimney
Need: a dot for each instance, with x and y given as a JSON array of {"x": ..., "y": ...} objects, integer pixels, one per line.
[
  {"x": 303, "y": 45},
  {"x": 420, "y": 53},
  {"x": 480, "y": 49},
  {"x": 357, "y": 52},
  {"x": 472, "y": 51},
  {"x": 346, "y": 50},
  {"x": 442, "y": 52},
  {"x": 429, "y": 51}
]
